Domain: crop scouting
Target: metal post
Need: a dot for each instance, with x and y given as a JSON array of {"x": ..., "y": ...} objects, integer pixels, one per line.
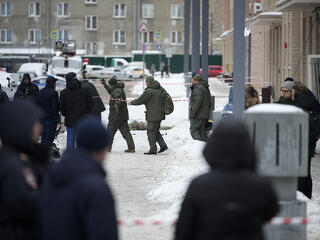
[
  {"x": 186, "y": 36},
  {"x": 239, "y": 58},
  {"x": 205, "y": 38},
  {"x": 195, "y": 35},
  {"x": 143, "y": 57},
  {"x": 134, "y": 24}
]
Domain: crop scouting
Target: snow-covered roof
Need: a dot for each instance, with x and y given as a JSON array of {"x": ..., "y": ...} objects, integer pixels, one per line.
[
  {"x": 274, "y": 108},
  {"x": 20, "y": 51}
]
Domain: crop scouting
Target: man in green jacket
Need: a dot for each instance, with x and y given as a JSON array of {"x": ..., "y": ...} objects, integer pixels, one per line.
[
  {"x": 152, "y": 98},
  {"x": 200, "y": 107},
  {"x": 118, "y": 112}
]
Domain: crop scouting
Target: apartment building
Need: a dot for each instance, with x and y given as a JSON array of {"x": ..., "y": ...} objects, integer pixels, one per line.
[
  {"x": 285, "y": 41},
  {"x": 100, "y": 27}
]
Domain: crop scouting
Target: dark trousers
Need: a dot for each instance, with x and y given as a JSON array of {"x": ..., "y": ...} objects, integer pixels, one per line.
[
  {"x": 115, "y": 125},
  {"x": 198, "y": 129},
  {"x": 154, "y": 136},
  {"x": 49, "y": 130}
]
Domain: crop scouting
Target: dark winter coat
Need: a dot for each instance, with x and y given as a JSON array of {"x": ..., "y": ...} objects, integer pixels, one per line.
[
  {"x": 232, "y": 201},
  {"x": 283, "y": 100},
  {"x": 3, "y": 97},
  {"x": 200, "y": 102},
  {"x": 152, "y": 98},
  {"x": 27, "y": 91},
  {"x": 118, "y": 110},
  {"x": 97, "y": 104},
  {"x": 75, "y": 102},
  {"x": 22, "y": 166},
  {"x": 48, "y": 101},
  {"x": 76, "y": 203}
]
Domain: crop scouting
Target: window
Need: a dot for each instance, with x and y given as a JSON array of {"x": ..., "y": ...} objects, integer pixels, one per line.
[
  {"x": 63, "y": 35},
  {"x": 63, "y": 9},
  {"x": 6, "y": 9},
  {"x": 119, "y": 10},
  {"x": 119, "y": 37},
  {"x": 176, "y": 11},
  {"x": 91, "y": 48},
  {"x": 148, "y": 10},
  {"x": 176, "y": 37},
  {"x": 90, "y": 1},
  {"x": 34, "y": 9},
  {"x": 147, "y": 37},
  {"x": 34, "y": 36},
  {"x": 5, "y": 35},
  {"x": 91, "y": 22}
]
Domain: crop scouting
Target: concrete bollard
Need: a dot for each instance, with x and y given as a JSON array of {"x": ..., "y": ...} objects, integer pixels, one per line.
[{"x": 280, "y": 134}]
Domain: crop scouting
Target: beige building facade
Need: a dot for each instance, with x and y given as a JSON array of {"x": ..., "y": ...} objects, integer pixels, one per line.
[
  {"x": 100, "y": 27},
  {"x": 285, "y": 42}
]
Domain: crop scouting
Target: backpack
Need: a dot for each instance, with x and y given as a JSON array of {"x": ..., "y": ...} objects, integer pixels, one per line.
[{"x": 167, "y": 103}]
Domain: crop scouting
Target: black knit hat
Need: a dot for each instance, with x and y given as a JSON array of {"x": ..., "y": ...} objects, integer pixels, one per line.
[
  {"x": 113, "y": 81},
  {"x": 51, "y": 80},
  {"x": 70, "y": 76},
  {"x": 26, "y": 76},
  {"x": 92, "y": 135}
]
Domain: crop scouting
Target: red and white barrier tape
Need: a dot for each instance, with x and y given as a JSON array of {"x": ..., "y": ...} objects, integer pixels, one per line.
[
  {"x": 174, "y": 100},
  {"x": 274, "y": 221}
]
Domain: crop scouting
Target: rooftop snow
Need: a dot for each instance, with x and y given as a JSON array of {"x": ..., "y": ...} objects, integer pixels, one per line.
[{"x": 274, "y": 108}]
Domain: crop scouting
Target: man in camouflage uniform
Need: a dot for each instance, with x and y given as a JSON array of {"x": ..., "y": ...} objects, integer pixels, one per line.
[
  {"x": 152, "y": 98},
  {"x": 118, "y": 113},
  {"x": 200, "y": 107}
]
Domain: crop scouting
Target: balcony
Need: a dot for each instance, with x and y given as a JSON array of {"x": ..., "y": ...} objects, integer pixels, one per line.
[
  {"x": 297, "y": 5},
  {"x": 267, "y": 18}
]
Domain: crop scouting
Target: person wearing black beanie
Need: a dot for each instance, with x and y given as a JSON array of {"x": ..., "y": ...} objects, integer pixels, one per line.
[{"x": 76, "y": 198}]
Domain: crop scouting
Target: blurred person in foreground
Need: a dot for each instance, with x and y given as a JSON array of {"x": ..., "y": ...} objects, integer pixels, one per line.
[
  {"x": 23, "y": 163},
  {"x": 48, "y": 101},
  {"x": 219, "y": 204},
  {"x": 75, "y": 104},
  {"x": 302, "y": 99},
  {"x": 76, "y": 202}
]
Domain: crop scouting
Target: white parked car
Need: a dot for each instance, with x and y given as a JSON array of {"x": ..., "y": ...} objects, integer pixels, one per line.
[
  {"x": 34, "y": 69},
  {"x": 97, "y": 71},
  {"x": 41, "y": 82},
  {"x": 134, "y": 72}
]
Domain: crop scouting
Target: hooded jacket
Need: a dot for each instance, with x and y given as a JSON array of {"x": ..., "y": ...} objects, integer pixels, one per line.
[
  {"x": 97, "y": 104},
  {"x": 118, "y": 110},
  {"x": 152, "y": 98},
  {"x": 217, "y": 203},
  {"x": 75, "y": 202},
  {"x": 22, "y": 165},
  {"x": 48, "y": 101},
  {"x": 75, "y": 102},
  {"x": 27, "y": 91},
  {"x": 200, "y": 102}
]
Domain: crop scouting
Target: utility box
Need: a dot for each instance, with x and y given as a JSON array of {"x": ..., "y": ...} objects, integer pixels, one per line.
[{"x": 280, "y": 134}]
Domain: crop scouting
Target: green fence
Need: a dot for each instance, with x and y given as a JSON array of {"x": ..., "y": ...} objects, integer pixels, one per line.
[{"x": 176, "y": 62}]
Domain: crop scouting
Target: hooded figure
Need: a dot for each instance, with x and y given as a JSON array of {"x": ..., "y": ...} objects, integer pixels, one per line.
[
  {"x": 75, "y": 103},
  {"x": 22, "y": 165},
  {"x": 219, "y": 204},
  {"x": 27, "y": 90},
  {"x": 48, "y": 101},
  {"x": 76, "y": 203},
  {"x": 97, "y": 104}
]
